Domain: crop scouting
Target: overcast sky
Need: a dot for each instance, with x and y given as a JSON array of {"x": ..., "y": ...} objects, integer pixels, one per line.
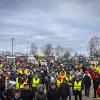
[{"x": 70, "y": 23}]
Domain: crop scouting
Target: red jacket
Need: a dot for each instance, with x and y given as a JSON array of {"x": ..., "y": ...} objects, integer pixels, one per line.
[
  {"x": 93, "y": 74},
  {"x": 88, "y": 70},
  {"x": 98, "y": 91}
]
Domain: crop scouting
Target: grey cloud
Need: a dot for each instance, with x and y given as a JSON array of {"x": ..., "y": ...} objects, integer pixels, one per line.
[{"x": 66, "y": 22}]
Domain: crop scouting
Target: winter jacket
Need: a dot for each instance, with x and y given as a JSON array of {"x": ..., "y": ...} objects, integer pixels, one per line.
[
  {"x": 87, "y": 81},
  {"x": 53, "y": 94},
  {"x": 27, "y": 95},
  {"x": 9, "y": 93},
  {"x": 13, "y": 98},
  {"x": 47, "y": 80},
  {"x": 64, "y": 90},
  {"x": 94, "y": 75},
  {"x": 98, "y": 91},
  {"x": 2, "y": 85},
  {"x": 40, "y": 96},
  {"x": 96, "y": 83}
]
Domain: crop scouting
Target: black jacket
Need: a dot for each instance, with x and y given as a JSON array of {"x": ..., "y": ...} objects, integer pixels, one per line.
[
  {"x": 96, "y": 83},
  {"x": 2, "y": 85},
  {"x": 40, "y": 96},
  {"x": 13, "y": 98},
  {"x": 64, "y": 90},
  {"x": 87, "y": 81},
  {"x": 53, "y": 94},
  {"x": 27, "y": 95}
]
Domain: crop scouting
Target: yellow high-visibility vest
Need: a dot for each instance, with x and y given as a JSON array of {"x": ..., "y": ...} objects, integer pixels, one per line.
[
  {"x": 59, "y": 83},
  {"x": 25, "y": 72},
  {"x": 20, "y": 71},
  {"x": 97, "y": 69},
  {"x": 77, "y": 86},
  {"x": 64, "y": 73},
  {"x": 21, "y": 86},
  {"x": 35, "y": 82},
  {"x": 76, "y": 66},
  {"x": 67, "y": 78},
  {"x": 98, "y": 98},
  {"x": 58, "y": 74},
  {"x": 1, "y": 65},
  {"x": 14, "y": 65},
  {"x": 17, "y": 83},
  {"x": 70, "y": 80}
]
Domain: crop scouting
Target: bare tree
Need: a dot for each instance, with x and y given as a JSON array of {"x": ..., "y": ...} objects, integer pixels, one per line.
[
  {"x": 66, "y": 53},
  {"x": 48, "y": 50},
  {"x": 94, "y": 46},
  {"x": 34, "y": 49},
  {"x": 6, "y": 53},
  {"x": 76, "y": 54},
  {"x": 59, "y": 51}
]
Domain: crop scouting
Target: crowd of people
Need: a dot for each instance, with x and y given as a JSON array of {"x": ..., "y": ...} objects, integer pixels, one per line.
[{"x": 51, "y": 81}]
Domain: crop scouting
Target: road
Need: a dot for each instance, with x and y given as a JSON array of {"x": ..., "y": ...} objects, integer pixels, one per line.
[{"x": 85, "y": 97}]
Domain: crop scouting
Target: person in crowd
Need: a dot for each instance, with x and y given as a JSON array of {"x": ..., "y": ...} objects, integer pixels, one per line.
[
  {"x": 2, "y": 85},
  {"x": 8, "y": 94},
  {"x": 98, "y": 92},
  {"x": 57, "y": 76},
  {"x": 59, "y": 80},
  {"x": 87, "y": 84},
  {"x": 96, "y": 84},
  {"x": 40, "y": 93},
  {"x": 93, "y": 75},
  {"x": 78, "y": 87},
  {"x": 35, "y": 82},
  {"x": 53, "y": 92},
  {"x": 64, "y": 90},
  {"x": 17, "y": 95},
  {"x": 47, "y": 80},
  {"x": 26, "y": 93}
]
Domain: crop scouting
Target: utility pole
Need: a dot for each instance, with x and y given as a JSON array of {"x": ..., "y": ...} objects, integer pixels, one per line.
[
  {"x": 27, "y": 48},
  {"x": 12, "y": 39}
]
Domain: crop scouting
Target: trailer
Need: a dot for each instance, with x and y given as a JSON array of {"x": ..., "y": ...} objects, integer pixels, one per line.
[
  {"x": 10, "y": 59},
  {"x": 21, "y": 59},
  {"x": 31, "y": 59}
]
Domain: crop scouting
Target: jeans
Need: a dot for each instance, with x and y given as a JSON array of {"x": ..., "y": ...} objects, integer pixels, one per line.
[
  {"x": 87, "y": 89},
  {"x": 78, "y": 93},
  {"x": 95, "y": 89}
]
